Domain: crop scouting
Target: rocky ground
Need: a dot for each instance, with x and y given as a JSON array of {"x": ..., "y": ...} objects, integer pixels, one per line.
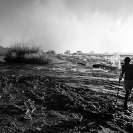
[{"x": 62, "y": 98}]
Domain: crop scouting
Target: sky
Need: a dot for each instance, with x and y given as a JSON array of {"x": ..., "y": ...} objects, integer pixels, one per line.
[{"x": 60, "y": 25}]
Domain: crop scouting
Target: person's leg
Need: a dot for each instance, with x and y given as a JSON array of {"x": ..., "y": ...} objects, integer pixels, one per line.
[
  {"x": 127, "y": 89},
  {"x": 126, "y": 99}
]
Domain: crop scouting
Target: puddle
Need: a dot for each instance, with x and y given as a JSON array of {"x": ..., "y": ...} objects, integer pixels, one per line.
[
  {"x": 59, "y": 69},
  {"x": 99, "y": 69}
]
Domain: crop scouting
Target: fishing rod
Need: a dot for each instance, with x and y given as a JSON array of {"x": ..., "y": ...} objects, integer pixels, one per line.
[
  {"x": 120, "y": 67},
  {"x": 117, "y": 93}
]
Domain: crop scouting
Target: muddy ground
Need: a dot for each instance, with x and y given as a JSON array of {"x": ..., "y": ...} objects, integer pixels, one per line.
[{"x": 62, "y": 98}]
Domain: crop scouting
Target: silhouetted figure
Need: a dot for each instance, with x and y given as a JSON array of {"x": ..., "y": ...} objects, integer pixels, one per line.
[{"x": 127, "y": 70}]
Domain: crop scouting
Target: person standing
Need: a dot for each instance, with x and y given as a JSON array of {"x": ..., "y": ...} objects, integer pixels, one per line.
[{"x": 127, "y": 72}]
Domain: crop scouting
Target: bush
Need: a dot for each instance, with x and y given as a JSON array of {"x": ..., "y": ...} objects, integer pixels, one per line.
[
  {"x": 51, "y": 52},
  {"x": 22, "y": 53},
  {"x": 17, "y": 52}
]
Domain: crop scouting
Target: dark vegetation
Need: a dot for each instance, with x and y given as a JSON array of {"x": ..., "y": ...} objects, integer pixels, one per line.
[
  {"x": 24, "y": 53},
  {"x": 62, "y": 97},
  {"x": 104, "y": 66}
]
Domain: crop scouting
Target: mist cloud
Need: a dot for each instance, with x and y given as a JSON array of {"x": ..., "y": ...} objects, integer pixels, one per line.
[{"x": 70, "y": 25}]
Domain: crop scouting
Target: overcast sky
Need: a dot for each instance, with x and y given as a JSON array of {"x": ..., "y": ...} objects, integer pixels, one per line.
[{"x": 60, "y": 25}]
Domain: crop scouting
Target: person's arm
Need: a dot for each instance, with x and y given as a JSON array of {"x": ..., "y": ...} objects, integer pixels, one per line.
[{"x": 122, "y": 73}]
